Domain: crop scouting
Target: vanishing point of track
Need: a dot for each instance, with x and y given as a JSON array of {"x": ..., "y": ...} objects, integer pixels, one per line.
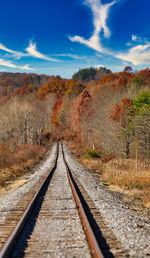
[{"x": 10, "y": 233}]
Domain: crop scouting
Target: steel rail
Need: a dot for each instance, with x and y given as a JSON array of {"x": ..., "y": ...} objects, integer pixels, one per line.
[
  {"x": 7, "y": 247},
  {"x": 93, "y": 244}
]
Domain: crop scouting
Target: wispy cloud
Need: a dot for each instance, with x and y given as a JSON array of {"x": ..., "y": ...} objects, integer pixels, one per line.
[
  {"x": 12, "y": 65},
  {"x": 26, "y": 67},
  {"x": 137, "y": 55},
  {"x": 3, "y": 70},
  {"x": 136, "y": 38},
  {"x": 32, "y": 51},
  {"x": 129, "y": 44},
  {"x": 73, "y": 56},
  {"x": 138, "y": 52},
  {"x": 17, "y": 54},
  {"x": 7, "y": 63},
  {"x": 100, "y": 14}
]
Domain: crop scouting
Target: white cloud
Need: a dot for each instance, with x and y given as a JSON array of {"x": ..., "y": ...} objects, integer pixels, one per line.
[
  {"x": 26, "y": 67},
  {"x": 7, "y": 63},
  {"x": 11, "y": 65},
  {"x": 137, "y": 55},
  {"x": 32, "y": 51},
  {"x": 15, "y": 53},
  {"x": 138, "y": 39},
  {"x": 99, "y": 55},
  {"x": 100, "y": 15},
  {"x": 74, "y": 56},
  {"x": 138, "y": 52},
  {"x": 134, "y": 37},
  {"x": 98, "y": 66},
  {"x": 3, "y": 70}
]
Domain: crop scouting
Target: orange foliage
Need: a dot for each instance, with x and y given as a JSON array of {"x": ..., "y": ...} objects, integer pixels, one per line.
[
  {"x": 80, "y": 111},
  {"x": 74, "y": 87},
  {"x": 10, "y": 82},
  {"x": 117, "y": 80},
  {"x": 56, "y": 86},
  {"x": 61, "y": 87},
  {"x": 55, "y": 116}
]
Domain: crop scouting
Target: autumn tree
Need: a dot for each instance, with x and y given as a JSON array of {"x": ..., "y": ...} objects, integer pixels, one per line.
[
  {"x": 55, "y": 118},
  {"x": 73, "y": 88},
  {"x": 122, "y": 114},
  {"x": 144, "y": 76},
  {"x": 128, "y": 69},
  {"x": 56, "y": 86},
  {"x": 11, "y": 81}
]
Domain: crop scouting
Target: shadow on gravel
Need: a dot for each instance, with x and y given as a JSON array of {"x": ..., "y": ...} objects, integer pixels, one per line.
[
  {"x": 21, "y": 243},
  {"x": 105, "y": 249}
]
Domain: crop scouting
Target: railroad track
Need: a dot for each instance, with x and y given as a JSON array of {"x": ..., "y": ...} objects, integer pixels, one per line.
[{"x": 25, "y": 234}]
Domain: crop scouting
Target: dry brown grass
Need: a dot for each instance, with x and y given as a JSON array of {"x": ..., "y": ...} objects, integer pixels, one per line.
[
  {"x": 123, "y": 172},
  {"x": 16, "y": 163},
  {"x": 93, "y": 164},
  {"x": 123, "y": 175},
  {"x": 146, "y": 198}
]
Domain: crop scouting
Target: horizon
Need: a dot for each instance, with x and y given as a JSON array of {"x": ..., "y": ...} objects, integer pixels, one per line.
[{"x": 61, "y": 37}]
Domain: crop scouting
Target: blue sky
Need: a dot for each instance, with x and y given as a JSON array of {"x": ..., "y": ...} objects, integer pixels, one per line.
[{"x": 62, "y": 36}]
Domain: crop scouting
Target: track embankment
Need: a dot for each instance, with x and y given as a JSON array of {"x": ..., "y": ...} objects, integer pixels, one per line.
[
  {"x": 118, "y": 221},
  {"x": 46, "y": 222},
  {"x": 63, "y": 211}
]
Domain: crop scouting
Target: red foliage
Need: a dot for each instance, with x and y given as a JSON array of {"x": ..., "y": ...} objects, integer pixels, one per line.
[
  {"x": 24, "y": 90},
  {"x": 145, "y": 76},
  {"x": 128, "y": 69},
  {"x": 120, "y": 111},
  {"x": 84, "y": 99},
  {"x": 10, "y": 82},
  {"x": 80, "y": 111},
  {"x": 26, "y": 80}
]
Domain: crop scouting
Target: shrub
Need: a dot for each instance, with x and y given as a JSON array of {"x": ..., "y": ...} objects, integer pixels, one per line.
[
  {"x": 91, "y": 153},
  {"x": 138, "y": 81},
  {"x": 18, "y": 162},
  {"x": 27, "y": 151},
  {"x": 5, "y": 157}
]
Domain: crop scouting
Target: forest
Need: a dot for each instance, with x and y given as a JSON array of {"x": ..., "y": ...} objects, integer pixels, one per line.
[{"x": 104, "y": 117}]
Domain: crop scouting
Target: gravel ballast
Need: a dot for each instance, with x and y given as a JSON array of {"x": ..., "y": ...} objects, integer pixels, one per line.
[
  {"x": 58, "y": 231},
  {"x": 130, "y": 228}
]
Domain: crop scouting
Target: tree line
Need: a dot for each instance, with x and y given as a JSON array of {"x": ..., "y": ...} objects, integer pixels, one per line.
[{"x": 111, "y": 114}]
